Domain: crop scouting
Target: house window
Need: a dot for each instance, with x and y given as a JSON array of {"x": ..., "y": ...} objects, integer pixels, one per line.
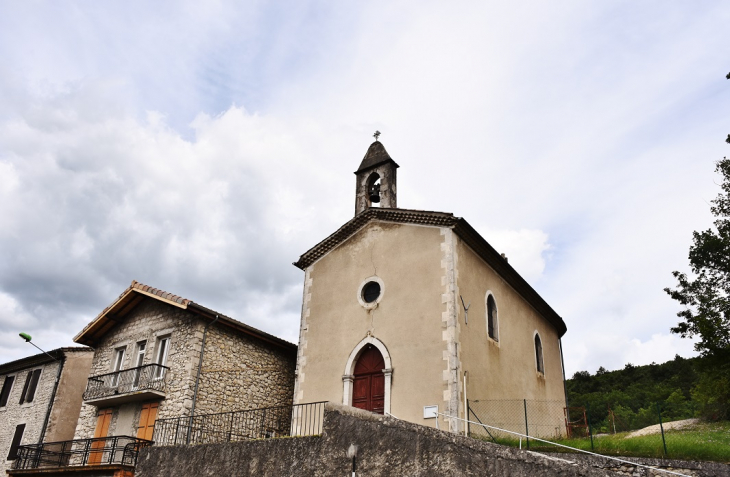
[
  {"x": 13, "y": 454},
  {"x": 163, "y": 346},
  {"x": 492, "y": 322},
  {"x": 31, "y": 384},
  {"x": 7, "y": 387},
  {"x": 538, "y": 355},
  {"x": 141, "y": 346},
  {"x": 140, "y": 353},
  {"x": 118, "y": 362}
]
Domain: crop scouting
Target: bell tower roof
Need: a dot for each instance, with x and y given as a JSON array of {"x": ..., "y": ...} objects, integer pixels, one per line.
[{"x": 375, "y": 156}]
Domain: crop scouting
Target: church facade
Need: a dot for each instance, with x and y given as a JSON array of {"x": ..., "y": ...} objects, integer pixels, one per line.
[{"x": 385, "y": 325}]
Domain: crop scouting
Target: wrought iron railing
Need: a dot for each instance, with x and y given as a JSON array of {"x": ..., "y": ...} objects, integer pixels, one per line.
[
  {"x": 281, "y": 421},
  {"x": 142, "y": 378},
  {"x": 120, "y": 450}
]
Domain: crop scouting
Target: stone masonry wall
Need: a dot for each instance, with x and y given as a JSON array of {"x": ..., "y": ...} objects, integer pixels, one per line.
[
  {"x": 150, "y": 321},
  {"x": 31, "y": 414},
  {"x": 693, "y": 468},
  {"x": 239, "y": 371},
  {"x": 243, "y": 372},
  {"x": 387, "y": 447}
]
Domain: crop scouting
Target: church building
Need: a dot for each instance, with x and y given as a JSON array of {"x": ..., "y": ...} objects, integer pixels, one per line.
[{"x": 410, "y": 312}]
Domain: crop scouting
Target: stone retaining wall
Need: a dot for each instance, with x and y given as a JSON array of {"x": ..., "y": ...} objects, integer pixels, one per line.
[
  {"x": 387, "y": 447},
  {"x": 695, "y": 469}
]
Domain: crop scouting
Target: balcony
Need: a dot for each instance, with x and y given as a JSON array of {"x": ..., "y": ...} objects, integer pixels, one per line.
[
  {"x": 135, "y": 384},
  {"x": 99, "y": 456}
]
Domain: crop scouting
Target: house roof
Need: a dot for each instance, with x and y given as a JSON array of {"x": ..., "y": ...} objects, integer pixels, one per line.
[
  {"x": 438, "y": 219},
  {"x": 137, "y": 292},
  {"x": 375, "y": 156},
  {"x": 40, "y": 358}
]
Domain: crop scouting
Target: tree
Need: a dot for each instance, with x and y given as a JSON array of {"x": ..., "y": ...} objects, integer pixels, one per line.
[
  {"x": 706, "y": 295},
  {"x": 706, "y": 300}
]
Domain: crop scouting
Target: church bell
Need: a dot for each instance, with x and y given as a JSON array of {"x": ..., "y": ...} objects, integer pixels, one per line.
[{"x": 374, "y": 193}]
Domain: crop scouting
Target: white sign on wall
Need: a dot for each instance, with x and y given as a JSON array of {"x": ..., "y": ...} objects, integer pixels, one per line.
[{"x": 430, "y": 412}]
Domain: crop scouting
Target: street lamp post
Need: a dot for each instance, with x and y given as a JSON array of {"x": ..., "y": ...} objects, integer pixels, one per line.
[{"x": 28, "y": 339}]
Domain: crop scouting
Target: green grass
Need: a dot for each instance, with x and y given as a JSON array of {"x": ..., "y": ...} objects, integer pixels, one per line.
[{"x": 704, "y": 441}]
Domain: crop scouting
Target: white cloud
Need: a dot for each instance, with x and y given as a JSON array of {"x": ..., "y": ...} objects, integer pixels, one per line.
[
  {"x": 613, "y": 350},
  {"x": 202, "y": 149},
  {"x": 525, "y": 249}
]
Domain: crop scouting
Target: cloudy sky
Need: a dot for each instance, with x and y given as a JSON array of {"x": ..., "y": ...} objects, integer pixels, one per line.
[{"x": 201, "y": 147}]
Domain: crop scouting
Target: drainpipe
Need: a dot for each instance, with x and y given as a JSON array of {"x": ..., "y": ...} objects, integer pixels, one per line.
[
  {"x": 562, "y": 365},
  {"x": 197, "y": 378},
  {"x": 466, "y": 410},
  {"x": 53, "y": 397}
]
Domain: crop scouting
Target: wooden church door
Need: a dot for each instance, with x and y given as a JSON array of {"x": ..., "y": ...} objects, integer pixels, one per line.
[{"x": 369, "y": 383}]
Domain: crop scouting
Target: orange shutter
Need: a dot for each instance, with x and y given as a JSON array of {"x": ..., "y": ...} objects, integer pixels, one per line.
[
  {"x": 103, "y": 420},
  {"x": 147, "y": 420}
]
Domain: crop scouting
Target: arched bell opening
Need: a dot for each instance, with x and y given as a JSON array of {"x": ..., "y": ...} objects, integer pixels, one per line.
[{"x": 373, "y": 184}]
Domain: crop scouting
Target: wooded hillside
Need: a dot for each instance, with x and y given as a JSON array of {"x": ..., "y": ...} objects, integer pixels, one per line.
[{"x": 633, "y": 393}]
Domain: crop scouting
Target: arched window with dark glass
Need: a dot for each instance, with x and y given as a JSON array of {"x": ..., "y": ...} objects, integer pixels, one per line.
[
  {"x": 492, "y": 328},
  {"x": 538, "y": 355}
]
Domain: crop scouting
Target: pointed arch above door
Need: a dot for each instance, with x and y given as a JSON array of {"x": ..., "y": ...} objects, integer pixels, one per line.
[{"x": 348, "y": 379}]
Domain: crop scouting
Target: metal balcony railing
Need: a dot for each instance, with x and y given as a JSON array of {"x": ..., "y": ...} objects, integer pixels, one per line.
[
  {"x": 263, "y": 423},
  {"x": 119, "y": 450},
  {"x": 150, "y": 377}
]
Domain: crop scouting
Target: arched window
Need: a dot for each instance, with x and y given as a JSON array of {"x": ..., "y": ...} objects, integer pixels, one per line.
[
  {"x": 538, "y": 355},
  {"x": 492, "y": 322}
]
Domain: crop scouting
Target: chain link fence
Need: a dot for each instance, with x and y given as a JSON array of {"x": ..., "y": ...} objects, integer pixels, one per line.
[
  {"x": 544, "y": 419},
  {"x": 659, "y": 430}
]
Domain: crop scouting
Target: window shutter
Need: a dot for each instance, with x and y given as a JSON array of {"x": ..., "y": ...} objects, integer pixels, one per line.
[
  {"x": 5, "y": 394},
  {"x": 33, "y": 385},
  {"x": 13, "y": 454},
  {"x": 25, "y": 386}
]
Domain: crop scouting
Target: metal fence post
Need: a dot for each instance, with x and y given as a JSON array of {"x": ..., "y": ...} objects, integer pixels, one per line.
[
  {"x": 590, "y": 426},
  {"x": 177, "y": 428},
  {"x": 661, "y": 427},
  {"x": 527, "y": 431},
  {"x": 468, "y": 418}
]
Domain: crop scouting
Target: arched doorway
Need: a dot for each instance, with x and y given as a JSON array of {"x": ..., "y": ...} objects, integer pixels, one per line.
[{"x": 369, "y": 381}]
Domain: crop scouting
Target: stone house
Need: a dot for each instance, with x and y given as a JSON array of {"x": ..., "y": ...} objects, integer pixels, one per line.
[
  {"x": 385, "y": 325},
  {"x": 155, "y": 336},
  {"x": 40, "y": 398},
  {"x": 160, "y": 356}
]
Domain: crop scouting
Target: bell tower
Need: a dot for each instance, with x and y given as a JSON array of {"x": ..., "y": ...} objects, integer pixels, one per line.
[{"x": 375, "y": 179}]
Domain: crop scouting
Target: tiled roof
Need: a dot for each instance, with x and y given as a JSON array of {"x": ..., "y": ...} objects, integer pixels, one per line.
[
  {"x": 437, "y": 219},
  {"x": 375, "y": 156},
  {"x": 40, "y": 358},
  {"x": 133, "y": 295},
  {"x": 420, "y": 217},
  {"x": 160, "y": 293}
]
